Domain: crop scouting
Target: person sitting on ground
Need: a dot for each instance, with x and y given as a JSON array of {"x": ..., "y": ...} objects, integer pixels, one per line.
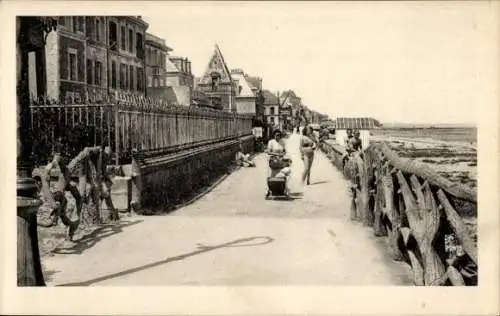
[{"x": 242, "y": 159}]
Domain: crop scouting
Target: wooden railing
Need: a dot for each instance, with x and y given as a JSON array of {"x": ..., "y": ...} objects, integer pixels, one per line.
[
  {"x": 419, "y": 212},
  {"x": 130, "y": 123}
]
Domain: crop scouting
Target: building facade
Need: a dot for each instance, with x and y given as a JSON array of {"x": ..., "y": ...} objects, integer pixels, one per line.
[
  {"x": 271, "y": 109},
  {"x": 218, "y": 82},
  {"x": 245, "y": 96},
  {"x": 89, "y": 57},
  {"x": 179, "y": 72},
  {"x": 256, "y": 86},
  {"x": 290, "y": 108},
  {"x": 179, "y": 81},
  {"x": 156, "y": 61}
]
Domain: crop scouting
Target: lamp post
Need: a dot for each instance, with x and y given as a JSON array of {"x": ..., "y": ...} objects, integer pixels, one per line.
[{"x": 31, "y": 36}]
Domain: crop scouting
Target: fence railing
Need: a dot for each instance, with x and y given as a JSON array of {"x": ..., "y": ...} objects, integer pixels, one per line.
[
  {"x": 419, "y": 211},
  {"x": 129, "y": 123}
]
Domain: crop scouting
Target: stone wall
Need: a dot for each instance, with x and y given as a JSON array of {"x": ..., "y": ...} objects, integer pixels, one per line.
[{"x": 180, "y": 175}]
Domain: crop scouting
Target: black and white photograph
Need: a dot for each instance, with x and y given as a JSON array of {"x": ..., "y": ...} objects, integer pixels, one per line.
[{"x": 253, "y": 144}]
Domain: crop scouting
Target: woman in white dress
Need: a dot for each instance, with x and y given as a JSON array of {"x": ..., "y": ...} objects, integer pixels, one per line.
[{"x": 276, "y": 150}]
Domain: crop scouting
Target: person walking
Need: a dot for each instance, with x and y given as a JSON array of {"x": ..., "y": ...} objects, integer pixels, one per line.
[{"x": 307, "y": 148}]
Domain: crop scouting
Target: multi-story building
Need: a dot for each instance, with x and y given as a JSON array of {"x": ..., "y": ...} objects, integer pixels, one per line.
[
  {"x": 290, "y": 108},
  {"x": 218, "y": 82},
  {"x": 271, "y": 109},
  {"x": 245, "y": 96},
  {"x": 156, "y": 61},
  {"x": 127, "y": 58},
  {"x": 179, "y": 72},
  {"x": 90, "y": 56},
  {"x": 180, "y": 82},
  {"x": 256, "y": 85}
]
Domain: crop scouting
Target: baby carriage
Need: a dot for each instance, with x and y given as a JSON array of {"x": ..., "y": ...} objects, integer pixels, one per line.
[{"x": 279, "y": 173}]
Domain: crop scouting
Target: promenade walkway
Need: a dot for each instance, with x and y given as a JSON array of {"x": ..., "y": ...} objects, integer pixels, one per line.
[{"x": 233, "y": 236}]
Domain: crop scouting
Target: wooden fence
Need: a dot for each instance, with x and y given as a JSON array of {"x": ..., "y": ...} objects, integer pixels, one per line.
[
  {"x": 129, "y": 123},
  {"x": 417, "y": 210}
]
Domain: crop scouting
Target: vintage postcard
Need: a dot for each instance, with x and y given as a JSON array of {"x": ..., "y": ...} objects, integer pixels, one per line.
[{"x": 250, "y": 157}]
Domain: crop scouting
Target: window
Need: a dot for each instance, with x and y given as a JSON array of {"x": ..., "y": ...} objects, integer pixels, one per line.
[
  {"x": 272, "y": 119},
  {"x": 98, "y": 29},
  {"x": 122, "y": 76},
  {"x": 139, "y": 46},
  {"x": 126, "y": 77},
  {"x": 80, "y": 24},
  {"x": 113, "y": 37},
  {"x": 150, "y": 81},
  {"x": 113, "y": 75},
  {"x": 72, "y": 64},
  {"x": 90, "y": 27},
  {"x": 272, "y": 110},
  {"x": 155, "y": 82},
  {"x": 130, "y": 41},
  {"x": 140, "y": 79},
  {"x": 89, "y": 71},
  {"x": 98, "y": 73},
  {"x": 75, "y": 24},
  {"x": 131, "y": 77},
  {"x": 154, "y": 59},
  {"x": 122, "y": 37}
]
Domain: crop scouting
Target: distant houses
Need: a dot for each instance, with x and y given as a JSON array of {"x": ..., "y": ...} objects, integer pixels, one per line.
[
  {"x": 271, "y": 109},
  {"x": 90, "y": 57}
]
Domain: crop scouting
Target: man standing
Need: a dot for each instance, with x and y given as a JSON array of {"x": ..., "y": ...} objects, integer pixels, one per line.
[
  {"x": 257, "y": 133},
  {"x": 355, "y": 143}
]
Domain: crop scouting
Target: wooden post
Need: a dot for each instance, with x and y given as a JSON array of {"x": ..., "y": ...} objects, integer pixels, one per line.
[
  {"x": 423, "y": 218},
  {"x": 363, "y": 190},
  {"x": 458, "y": 227},
  {"x": 393, "y": 216}
]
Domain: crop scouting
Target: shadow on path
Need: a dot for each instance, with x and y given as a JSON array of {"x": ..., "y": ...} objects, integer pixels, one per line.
[
  {"x": 90, "y": 240},
  {"x": 242, "y": 242},
  {"x": 319, "y": 182}
]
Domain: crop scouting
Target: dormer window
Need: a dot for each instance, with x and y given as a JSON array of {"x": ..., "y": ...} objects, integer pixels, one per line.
[{"x": 215, "y": 80}]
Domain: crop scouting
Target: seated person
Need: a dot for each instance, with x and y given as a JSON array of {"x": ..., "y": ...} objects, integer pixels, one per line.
[{"x": 243, "y": 159}]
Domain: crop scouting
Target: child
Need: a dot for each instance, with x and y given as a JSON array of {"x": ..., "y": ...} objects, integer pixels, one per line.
[{"x": 63, "y": 184}]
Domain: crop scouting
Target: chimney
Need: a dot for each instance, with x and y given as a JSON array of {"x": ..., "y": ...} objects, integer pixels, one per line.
[
  {"x": 177, "y": 62},
  {"x": 189, "y": 67}
]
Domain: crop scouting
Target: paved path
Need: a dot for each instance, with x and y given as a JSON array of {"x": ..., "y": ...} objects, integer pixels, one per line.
[{"x": 233, "y": 236}]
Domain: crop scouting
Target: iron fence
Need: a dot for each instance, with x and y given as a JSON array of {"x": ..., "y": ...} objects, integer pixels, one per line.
[{"x": 128, "y": 123}]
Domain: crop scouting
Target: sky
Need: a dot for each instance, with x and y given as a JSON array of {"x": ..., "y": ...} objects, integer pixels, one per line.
[{"x": 394, "y": 61}]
